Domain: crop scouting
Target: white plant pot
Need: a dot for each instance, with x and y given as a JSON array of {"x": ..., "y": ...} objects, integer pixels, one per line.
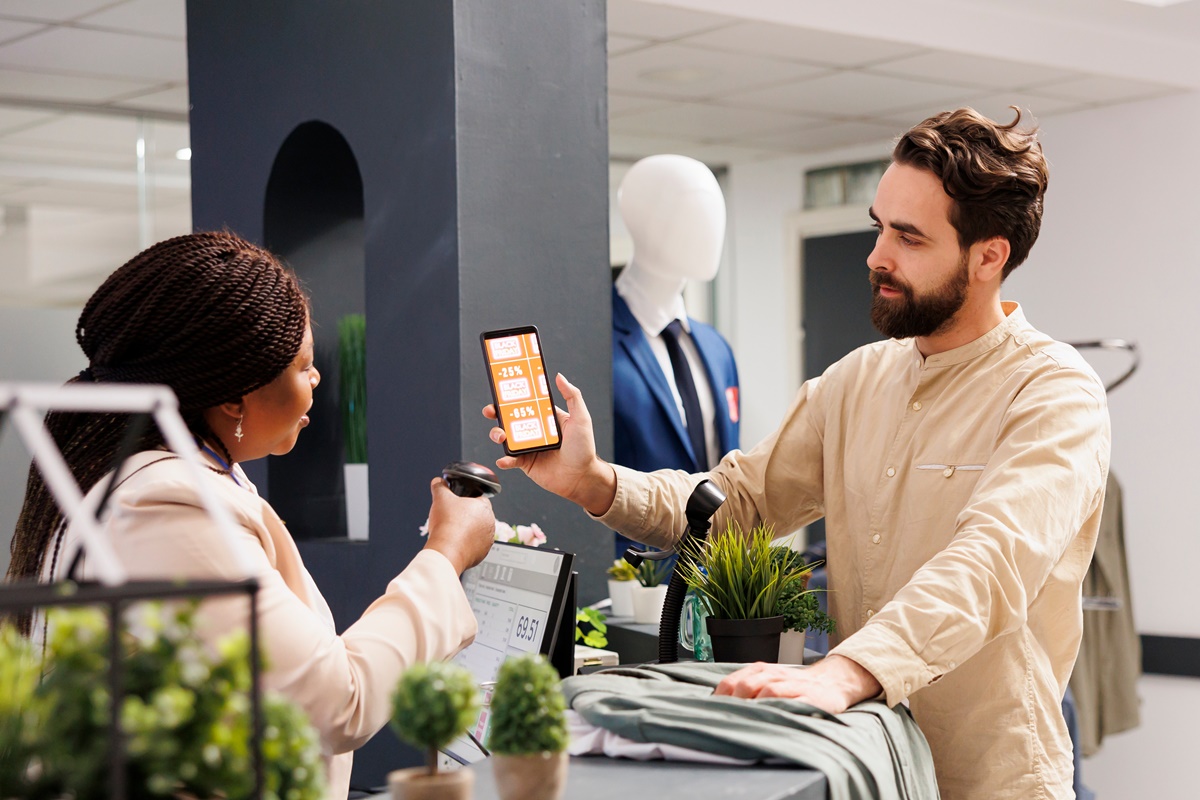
[
  {"x": 621, "y": 593},
  {"x": 791, "y": 647},
  {"x": 648, "y": 603},
  {"x": 357, "y": 502}
]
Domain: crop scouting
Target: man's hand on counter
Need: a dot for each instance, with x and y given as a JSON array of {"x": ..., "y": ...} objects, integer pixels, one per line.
[{"x": 832, "y": 684}]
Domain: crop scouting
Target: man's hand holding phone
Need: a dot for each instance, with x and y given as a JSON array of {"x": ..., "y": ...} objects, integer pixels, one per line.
[{"x": 573, "y": 471}]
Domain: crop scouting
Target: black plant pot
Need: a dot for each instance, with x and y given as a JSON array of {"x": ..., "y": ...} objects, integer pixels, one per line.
[{"x": 744, "y": 640}]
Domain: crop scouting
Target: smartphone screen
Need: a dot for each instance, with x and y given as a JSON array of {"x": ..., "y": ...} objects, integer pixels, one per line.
[{"x": 521, "y": 389}]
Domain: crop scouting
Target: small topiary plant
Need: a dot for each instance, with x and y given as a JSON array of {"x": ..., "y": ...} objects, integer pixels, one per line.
[
  {"x": 185, "y": 713},
  {"x": 527, "y": 710},
  {"x": 432, "y": 704}
]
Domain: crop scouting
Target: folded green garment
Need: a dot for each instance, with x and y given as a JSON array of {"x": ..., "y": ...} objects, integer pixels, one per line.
[{"x": 870, "y": 751}]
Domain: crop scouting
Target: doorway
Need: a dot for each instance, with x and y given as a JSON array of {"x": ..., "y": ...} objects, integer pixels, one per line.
[{"x": 835, "y": 302}]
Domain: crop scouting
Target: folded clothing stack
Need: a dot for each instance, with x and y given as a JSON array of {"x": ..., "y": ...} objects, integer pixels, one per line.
[{"x": 870, "y": 751}]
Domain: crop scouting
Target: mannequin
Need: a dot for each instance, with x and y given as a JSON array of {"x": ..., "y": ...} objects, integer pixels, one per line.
[{"x": 675, "y": 213}]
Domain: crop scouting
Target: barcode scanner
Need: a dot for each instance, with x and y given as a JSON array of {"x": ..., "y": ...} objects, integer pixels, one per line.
[{"x": 468, "y": 479}]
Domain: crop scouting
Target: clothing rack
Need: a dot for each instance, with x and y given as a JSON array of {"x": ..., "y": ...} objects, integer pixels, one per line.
[
  {"x": 1113, "y": 344},
  {"x": 1110, "y": 603}
]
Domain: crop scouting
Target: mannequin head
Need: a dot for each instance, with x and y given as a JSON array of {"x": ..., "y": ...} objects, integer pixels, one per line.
[{"x": 675, "y": 213}]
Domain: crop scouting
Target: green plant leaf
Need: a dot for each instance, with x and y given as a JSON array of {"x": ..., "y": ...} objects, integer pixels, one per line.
[
  {"x": 622, "y": 570},
  {"x": 352, "y": 385},
  {"x": 651, "y": 573},
  {"x": 740, "y": 575},
  {"x": 185, "y": 713}
]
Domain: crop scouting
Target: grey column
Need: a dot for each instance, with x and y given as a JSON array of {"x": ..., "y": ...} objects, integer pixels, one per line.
[{"x": 479, "y": 131}]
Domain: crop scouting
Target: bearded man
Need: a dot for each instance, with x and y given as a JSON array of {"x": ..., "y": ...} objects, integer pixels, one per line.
[{"x": 960, "y": 466}]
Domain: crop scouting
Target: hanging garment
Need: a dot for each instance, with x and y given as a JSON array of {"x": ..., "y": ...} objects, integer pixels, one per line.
[
  {"x": 870, "y": 751},
  {"x": 1110, "y": 655}
]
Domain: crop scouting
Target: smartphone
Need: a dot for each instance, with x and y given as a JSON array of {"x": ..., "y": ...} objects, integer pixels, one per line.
[{"x": 521, "y": 390}]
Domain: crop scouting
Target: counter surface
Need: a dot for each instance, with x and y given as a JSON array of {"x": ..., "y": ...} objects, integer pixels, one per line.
[{"x": 598, "y": 778}]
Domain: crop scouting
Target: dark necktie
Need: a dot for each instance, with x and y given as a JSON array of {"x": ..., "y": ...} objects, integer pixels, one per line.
[{"x": 687, "y": 392}]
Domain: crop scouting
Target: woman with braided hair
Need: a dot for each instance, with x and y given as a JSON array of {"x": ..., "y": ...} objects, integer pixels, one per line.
[{"x": 223, "y": 324}]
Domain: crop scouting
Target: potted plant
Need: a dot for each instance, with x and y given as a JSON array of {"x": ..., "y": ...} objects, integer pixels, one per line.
[
  {"x": 591, "y": 630},
  {"x": 739, "y": 581},
  {"x": 800, "y": 608},
  {"x": 352, "y": 386},
  {"x": 185, "y": 713},
  {"x": 432, "y": 704},
  {"x": 621, "y": 579},
  {"x": 650, "y": 591},
  {"x": 527, "y": 733}
]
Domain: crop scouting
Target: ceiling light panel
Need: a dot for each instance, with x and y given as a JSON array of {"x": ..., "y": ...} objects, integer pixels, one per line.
[
  {"x": 1096, "y": 89},
  {"x": 66, "y": 88},
  {"x": 850, "y": 94},
  {"x": 708, "y": 122},
  {"x": 154, "y": 17},
  {"x": 802, "y": 44},
  {"x": 972, "y": 70},
  {"x": 51, "y": 10},
  {"x": 1158, "y": 3},
  {"x": 662, "y": 23},
  {"x": 99, "y": 54},
  {"x": 715, "y": 73}
]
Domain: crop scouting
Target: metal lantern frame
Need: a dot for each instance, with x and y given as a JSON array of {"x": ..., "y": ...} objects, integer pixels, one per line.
[{"x": 25, "y": 404}]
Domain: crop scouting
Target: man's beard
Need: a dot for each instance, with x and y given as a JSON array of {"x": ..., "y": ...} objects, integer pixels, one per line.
[{"x": 908, "y": 315}]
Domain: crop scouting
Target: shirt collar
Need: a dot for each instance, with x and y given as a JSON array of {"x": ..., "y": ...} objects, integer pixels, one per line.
[
  {"x": 1013, "y": 322},
  {"x": 650, "y": 315}
]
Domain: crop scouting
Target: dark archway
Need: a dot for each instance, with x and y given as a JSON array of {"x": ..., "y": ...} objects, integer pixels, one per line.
[{"x": 313, "y": 218}]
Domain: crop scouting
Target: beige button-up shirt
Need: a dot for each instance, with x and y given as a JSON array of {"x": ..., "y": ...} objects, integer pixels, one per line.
[
  {"x": 962, "y": 495},
  {"x": 160, "y": 529}
]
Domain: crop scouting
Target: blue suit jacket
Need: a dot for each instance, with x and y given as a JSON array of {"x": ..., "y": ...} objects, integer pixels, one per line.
[{"x": 648, "y": 433}]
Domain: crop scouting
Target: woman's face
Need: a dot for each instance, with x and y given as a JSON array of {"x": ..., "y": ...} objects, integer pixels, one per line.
[{"x": 273, "y": 415}]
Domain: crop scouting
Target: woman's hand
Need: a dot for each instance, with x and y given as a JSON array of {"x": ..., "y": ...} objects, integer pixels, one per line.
[
  {"x": 460, "y": 528},
  {"x": 573, "y": 471}
]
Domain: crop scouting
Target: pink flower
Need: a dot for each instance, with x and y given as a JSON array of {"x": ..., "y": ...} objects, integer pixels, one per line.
[
  {"x": 530, "y": 535},
  {"x": 505, "y": 532}
]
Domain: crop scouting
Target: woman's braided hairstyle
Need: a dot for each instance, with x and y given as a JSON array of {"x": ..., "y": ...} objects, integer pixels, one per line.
[{"x": 209, "y": 315}]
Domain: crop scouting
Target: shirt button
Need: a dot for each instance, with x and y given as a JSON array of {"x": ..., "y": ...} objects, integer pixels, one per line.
[
  {"x": 917, "y": 406},
  {"x": 870, "y": 613},
  {"x": 953, "y": 665},
  {"x": 875, "y": 538},
  {"x": 948, "y": 471},
  {"x": 891, "y": 472},
  {"x": 907, "y": 688}
]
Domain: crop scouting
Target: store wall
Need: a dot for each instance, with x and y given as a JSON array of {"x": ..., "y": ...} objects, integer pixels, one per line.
[
  {"x": 1114, "y": 260},
  {"x": 39, "y": 345}
]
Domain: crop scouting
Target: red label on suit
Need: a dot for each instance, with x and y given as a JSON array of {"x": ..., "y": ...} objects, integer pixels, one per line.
[{"x": 731, "y": 399}]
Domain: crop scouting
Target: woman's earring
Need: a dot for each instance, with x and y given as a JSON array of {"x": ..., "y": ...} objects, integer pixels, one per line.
[{"x": 238, "y": 430}]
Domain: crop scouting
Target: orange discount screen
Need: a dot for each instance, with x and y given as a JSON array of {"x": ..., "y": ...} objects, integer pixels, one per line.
[{"x": 521, "y": 389}]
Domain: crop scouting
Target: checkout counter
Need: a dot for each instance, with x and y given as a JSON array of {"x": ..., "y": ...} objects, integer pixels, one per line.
[
  {"x": 601, "y": 778},
  {"x": 598, "y": 778}
]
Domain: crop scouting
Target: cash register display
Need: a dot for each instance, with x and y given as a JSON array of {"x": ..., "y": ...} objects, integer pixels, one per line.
[{"x": 517, "y": 594}]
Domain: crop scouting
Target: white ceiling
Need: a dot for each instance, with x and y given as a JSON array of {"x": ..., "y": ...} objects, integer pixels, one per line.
[
  {"x": 715, "y": 85},
  {"x": 720, "y": 81}
]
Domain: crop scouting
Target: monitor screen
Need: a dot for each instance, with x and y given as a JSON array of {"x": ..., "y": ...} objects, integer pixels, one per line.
[{"x": 518, "y": 595}]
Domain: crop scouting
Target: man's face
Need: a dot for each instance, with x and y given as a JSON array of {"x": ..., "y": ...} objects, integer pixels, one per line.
[{"x": 920, "y": 277}]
